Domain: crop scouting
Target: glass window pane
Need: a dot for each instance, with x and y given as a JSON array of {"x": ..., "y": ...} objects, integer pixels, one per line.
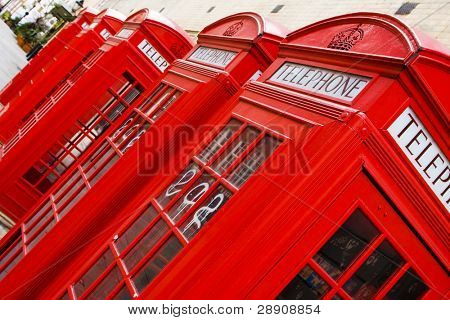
[
  {"x": 145, "y": 244},
  {"x": 107, "y": 285},
  {"x": 163, "y": 108},
  {"x": 409, "y": 287},
  {"x": 65, "y": 296},
  {"x": 195, "y": 192},
  {"x": 346, "y": 244},
  {"x": 219, "y": 141},
  {"x": 307, "y": 285},
  {"x": 205, "y": 212},
  {"x": 155, "y": 265},
  {"x": 235, "y": 149},
  {"x": 253, "y": 161},
  {"x": 93, "y": 273},
  {"x": 179, "y": 183},
  {"x": 378, "y": 267},
  {"x": 136, "y": 228},
  {"x": 123, "y": 294}
]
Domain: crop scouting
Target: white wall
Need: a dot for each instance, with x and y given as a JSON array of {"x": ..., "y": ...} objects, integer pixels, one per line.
[{"x": 430, "y": 16}]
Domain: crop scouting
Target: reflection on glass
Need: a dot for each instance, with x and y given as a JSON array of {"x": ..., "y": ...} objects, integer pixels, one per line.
[
  {"x": 205, "y": 212},
  {"x": 136, "y": 228},
  {"x": 409, "y": 287},
  {"x": 235, "y": 149},
  {"x": 195, "y": 192},
  {"x": 179, "y": 183},
  {"x": 93, "y": 273},
  {"x": 106, "y": 286},
  {"x": 145, "y": 244},
  {"x": 154, "y": 266},
  {"x": 378, "y": 267},
  {"x": 219, "y": 141},
  {"x": 307, "y": 285},
  {"x": 253, "y": 161},
  {"x": 123, "y": 294},
  {"x": 346, "y": 244}
]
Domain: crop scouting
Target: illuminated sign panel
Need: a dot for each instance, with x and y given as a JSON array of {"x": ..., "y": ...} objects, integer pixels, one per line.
[
  {"x": 340, "y": 85},
  {"x": 423, "y": 153},
  {"x": 216, "y": 57}
]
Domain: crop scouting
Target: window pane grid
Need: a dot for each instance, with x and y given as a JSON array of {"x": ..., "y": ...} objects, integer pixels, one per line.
[
  {"x": 166, "y": 243},
  {"x": 373, "y": 273},
  {"x": 95, "y": 172},
  {"x": 126, "y": 284},
  {"x": 392, "y": 281},
  {"x": 86, "y": 133},
  {"x": 15, "y": 249},
  {"x": 137, "y": 239},
  {"x": 97, "y": 281},
  {"x": 220, "y": 142},
  {"x": 161, "y": 241}
]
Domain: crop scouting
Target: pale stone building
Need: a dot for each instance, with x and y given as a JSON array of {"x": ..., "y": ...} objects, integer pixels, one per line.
[{"x": 430, "y": 16}]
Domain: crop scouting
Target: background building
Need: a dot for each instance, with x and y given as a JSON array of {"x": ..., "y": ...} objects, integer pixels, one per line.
[{"x": 429, "y": 16}]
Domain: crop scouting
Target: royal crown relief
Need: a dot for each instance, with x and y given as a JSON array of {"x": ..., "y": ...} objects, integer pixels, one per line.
[
  {"x": 346, "y": 39},
  {"x": 233, "y": 29}
]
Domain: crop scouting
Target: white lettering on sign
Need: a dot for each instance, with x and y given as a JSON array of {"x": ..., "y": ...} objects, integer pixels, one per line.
[
  {"x": 85, "y": 25},
  {"x": 332, "y": 83},
  {"x": 154, "y": 56},
  {"x": 105, "y": 34},
  {"x": 216, "y": 57},
  {"x": 423, "y": 152}
]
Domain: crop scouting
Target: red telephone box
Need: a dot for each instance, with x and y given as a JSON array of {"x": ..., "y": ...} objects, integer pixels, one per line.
[
  {"x": 327, "y": 178},
  {"x": 84, "y": 106},
  {"x": 51, "y": 52},
  {"x": 353, "y": 202},
  {"x": 192, "y": 93},
  {"x": 33, "y": 95}
]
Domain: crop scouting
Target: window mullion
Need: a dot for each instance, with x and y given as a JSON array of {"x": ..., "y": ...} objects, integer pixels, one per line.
[
  {"x": 225, "y": 146},
  {"x": 150, "y": 253},
  {"x": 83, "y": 177},
  {"x": 392, "y": 281},
  {"x": 113, "y": 145},
  {"x": 197, "y": 204},
  {"x": 97, "y": 281},
  {"x": 236, "y": 162},
  {"x": 123, "y": 271},
  {"x": 71, "y": 293},
  {"x": 371, "y": 247},
  {"x": 138, "y": 238}
]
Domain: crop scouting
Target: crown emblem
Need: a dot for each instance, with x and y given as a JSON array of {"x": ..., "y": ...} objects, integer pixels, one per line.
[
  {"x": 346, "y": 39},
  {"x": 233, "y": 29}
]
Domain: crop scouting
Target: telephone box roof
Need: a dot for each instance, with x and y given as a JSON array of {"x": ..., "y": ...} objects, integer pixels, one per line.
[
  {"x": 257, "y": 26},
  {"x": 113, "y": 14},
  {"x": 367, "y": 33},
  {"x": 146, "y": 15}
]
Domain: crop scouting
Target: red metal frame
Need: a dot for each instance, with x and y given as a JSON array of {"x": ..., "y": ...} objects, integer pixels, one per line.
[
  {"x": 56, "y": 73},
  {"x": 90, "y": 82}
]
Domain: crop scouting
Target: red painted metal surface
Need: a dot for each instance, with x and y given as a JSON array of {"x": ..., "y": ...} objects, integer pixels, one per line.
[
  {"x": 83, "y": 107},
  {"x": 35, "y": 93},
  {"x": 299, "y": 186},
  {"x": 191, "y": 93},
  {"x": 51, "y": 51}
]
